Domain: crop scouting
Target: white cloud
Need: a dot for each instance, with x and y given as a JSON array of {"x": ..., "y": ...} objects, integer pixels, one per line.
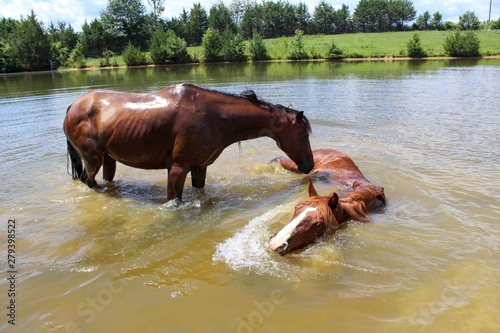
[{"x": 76, "y": 12}]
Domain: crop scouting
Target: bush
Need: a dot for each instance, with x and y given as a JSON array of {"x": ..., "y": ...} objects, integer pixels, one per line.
[
  {"x": 106, "y": 61},
  {"x": 233, "y": 47},
  {"x": 76, "y": 57},
  {"x": 212, "y": 45},
  {"x": 495, "y": 25},
  {"x": 459, "y": 44},
  {"x": 298, "y": 50},
  {"x": 414, "y": 47},
  {"x": 258, "y": 50},
  {"x": 132, "y": 56},
  {"x": 59, "y": 54},
  {"x": 335, "y": 52},
  {"x": 166, "y": 47}
]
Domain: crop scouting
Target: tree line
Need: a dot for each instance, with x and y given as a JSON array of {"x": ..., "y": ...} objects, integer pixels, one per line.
[{"x": 125, "y": 27}]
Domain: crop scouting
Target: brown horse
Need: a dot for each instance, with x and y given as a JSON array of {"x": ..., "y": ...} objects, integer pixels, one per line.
[
  {"x": 316, "y": 215},
  {"x": 183, "y": 128}
]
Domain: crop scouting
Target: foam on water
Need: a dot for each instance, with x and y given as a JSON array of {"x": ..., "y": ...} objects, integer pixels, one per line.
[{"x": 248, "y": 248}]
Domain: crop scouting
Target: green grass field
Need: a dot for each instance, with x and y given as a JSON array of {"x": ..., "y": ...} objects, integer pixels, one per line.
[
  {"x": 358, "y": 45},
  {"x": 377, "y": 45}
]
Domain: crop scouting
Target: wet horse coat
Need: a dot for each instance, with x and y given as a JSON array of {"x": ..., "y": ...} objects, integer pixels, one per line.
[
  {"x": 317, "y": 215},
  {"x": 183, "y": 128}
]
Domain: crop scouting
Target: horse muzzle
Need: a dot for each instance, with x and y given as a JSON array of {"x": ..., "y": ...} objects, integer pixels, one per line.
[{"x": 306, "y": 167}]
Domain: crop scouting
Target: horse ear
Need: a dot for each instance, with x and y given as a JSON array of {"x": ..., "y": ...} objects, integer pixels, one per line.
[
  {"x": 333, "y": 202},
  {"x": 290, "y": 106},
  {"x": 299, "y": 116},
  {"x": 311, "y": 189}
]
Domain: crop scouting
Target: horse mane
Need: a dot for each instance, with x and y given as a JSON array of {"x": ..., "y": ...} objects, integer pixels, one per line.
[
  {"x": 252, "y": 96},
  {"x": 354, "y": 203},
  {"x": 321, "y": 204}
]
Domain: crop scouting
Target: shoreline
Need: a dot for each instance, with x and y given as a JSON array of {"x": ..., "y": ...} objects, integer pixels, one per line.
[{"x": 340, "y": 60}]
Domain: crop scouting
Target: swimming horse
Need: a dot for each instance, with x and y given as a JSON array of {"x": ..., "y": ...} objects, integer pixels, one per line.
[
  {"x": 182, "y": 128},
  {"x": 318, "y": 215}
]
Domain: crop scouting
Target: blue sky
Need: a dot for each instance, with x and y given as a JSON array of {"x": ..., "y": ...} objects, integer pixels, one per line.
[{"x": 76, "y": 12}]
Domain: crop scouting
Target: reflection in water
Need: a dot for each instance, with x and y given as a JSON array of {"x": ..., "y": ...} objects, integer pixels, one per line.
[{"x": 123, "y": 259}]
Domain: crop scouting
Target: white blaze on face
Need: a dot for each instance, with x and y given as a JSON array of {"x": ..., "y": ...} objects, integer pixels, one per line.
[
  {"x": 157, "y": 102},
  {"x": 284, "y": 234}
]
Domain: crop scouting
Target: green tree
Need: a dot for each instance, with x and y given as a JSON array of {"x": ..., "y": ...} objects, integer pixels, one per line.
[
  {"x": 7, "y": 61},
  {"x": 181, "y": 25},
  {"x": 448, "y": 25},
  {"x": 63, "y": 33},
  {"x": 342, "y": 20},
  {"x": 133, "y": 56},
  {"x": 30, "y": 45},
  {"x": 198, "y": 24},
  {"x": 212, "y": 46},
  {"x": 233, "y": 47},
  {"x": 436, "y": 21},
  {"x": 158, "y": 8},
  {"x": 469, "y": 21},
  {"x": 298, "y": 50},
  {"x": 77, "y": 57},
  {"x": 303, "y": 17},
  {"x": 324, "y": 18},
  {"x": 414, "y": 47},
  {"x": 371, "y": 15},
  {"x": 495, "y": 25},
  {"x": 400, "y": 12},
  {"x": 93, "y": 38},
  {"x": 258, "y": 50},
  {"x": 124, "y": 22},
  {"x": 252, "y": 21},
  {"x": 422, "y": 22},
  {"x": 166, "y": 47},
  {"x": 220, "y": 18},
  {"x": 459, "y": 44}
]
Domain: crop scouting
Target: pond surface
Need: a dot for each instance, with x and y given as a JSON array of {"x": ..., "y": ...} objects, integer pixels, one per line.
[{"x": 122, "y": 259}]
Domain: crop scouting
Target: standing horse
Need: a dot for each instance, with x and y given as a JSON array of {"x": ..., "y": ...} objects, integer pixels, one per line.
[
  {"x": 316, "y": 215},
  {"x": 183, "y": 128}
]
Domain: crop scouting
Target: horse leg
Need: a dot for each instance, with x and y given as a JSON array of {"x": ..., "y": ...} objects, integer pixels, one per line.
[
  {"x": 198, "y": 176},
  {"x": 92, "y": 165},
  {"x": 176, "y": 178},
  {"x": 108, "y": 167}
]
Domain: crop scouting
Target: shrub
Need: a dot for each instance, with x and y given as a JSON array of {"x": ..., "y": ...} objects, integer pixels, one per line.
[
  {"x": 166, "y": 47},
  {"x": 258, "y": 50},
  {"x": 212, "y": 45},
  {"x": 459, "y": 44},
  {"x": 132, "y": 56},
  {"x": 106, "y": 61},
  {"x": 414, "y": 47},
  {"x": 233, "y": 47},
  {"x": 298, "y": 50},
  {"x": 335, "y": 52},
  {"x": 76, "y": 57}
]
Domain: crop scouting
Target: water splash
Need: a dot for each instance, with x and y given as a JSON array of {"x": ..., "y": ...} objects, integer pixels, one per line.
[{"x": 248, "y": 248}]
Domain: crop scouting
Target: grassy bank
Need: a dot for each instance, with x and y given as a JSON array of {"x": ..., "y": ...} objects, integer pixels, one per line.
[
  {"x": 359, "y": 45},
  {"x": 377, "y": 45}
]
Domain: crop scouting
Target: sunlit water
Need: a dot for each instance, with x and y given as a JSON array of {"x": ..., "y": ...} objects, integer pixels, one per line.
[{"x": 122, "y": 259}]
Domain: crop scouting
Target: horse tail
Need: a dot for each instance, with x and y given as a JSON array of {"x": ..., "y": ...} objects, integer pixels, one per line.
[{"x": 76, "y": 162}]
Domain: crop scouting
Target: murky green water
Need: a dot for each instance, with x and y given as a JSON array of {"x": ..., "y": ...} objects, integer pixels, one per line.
[{"x": 123, "y": 260}]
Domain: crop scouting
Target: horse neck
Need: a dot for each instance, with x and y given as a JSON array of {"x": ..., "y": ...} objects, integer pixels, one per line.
[{"x": 245, "y": 123}]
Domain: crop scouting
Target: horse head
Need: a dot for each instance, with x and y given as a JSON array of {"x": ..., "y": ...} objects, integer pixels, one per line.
[
  {"x": 313, "y": 217},
  {"x": 291, "y": 133}
]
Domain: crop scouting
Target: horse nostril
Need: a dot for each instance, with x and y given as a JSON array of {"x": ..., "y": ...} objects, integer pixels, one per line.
[{"x": 282, "y": 248}]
